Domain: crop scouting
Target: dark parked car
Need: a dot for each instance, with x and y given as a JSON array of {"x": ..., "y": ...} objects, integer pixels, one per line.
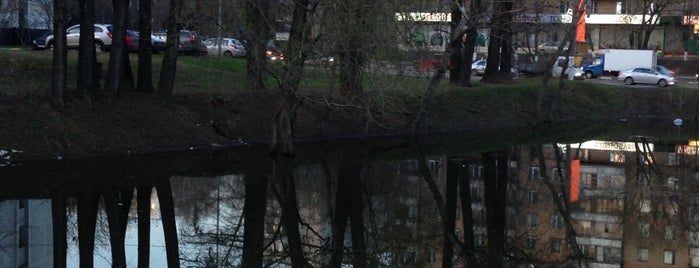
[
  {"x": 189, "y": 42},
  {"x": 133, "y": 37}
]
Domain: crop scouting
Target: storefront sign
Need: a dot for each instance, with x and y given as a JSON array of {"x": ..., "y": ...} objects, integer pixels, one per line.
[
  {"x": 619, "y": 19},
  {"x": 690, "y": 20},
  {"x": 611, "y": 146},
  {"x": 424, "y": 16},
  {"x": 543, "y": 18}
]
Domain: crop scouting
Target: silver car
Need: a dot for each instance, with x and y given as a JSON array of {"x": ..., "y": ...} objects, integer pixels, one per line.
[
  {"x": 643, "y": 75},
  {"x": 103, "y": 38},
  {"x": 230, "y": 47},
  {"x": 478, "y": 69}
]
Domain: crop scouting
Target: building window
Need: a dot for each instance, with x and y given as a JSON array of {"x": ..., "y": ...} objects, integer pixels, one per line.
[
  {"x": 531, "y": 219},
  {"x": 531, "y": 242},
  {"x": 563, "y": 7},
  {"x": 695, "y": 261},
  {"x": 673, "y": 159},
  {"x": 586, "y": 225},
  {"x": 592, "y": 8},
  {"x": 556, "y": 222},
  {"x": 476, "y": 171},
  {"x": 672, "y": 183},
  {"x": 555, "y": 246},
  {"x": 643, "y": 229},
  {"x": 644, "y": 206},
  {"x": 589, "y": 180},
  {"x": 433, "y": 256},
  {"x": 669, "y": 232},
  {"x": 617, "y": 157},
  {"x": 533, "y": 197},
  {"x": 622, "y": 7},
  {"x": 642, "y": 255},
  {"x": 534, "y": 173},
  {"x": 476, "y": 194},
  {"x": 669, "y": 257},
  {"x": 479, "y": 239}
]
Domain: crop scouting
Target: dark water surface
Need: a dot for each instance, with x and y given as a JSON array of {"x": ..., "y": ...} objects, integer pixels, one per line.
[{"x": 382, "y": 202}]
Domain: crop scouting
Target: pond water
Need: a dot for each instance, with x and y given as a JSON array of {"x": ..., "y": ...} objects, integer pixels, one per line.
[{"x": 599, "y": 195}]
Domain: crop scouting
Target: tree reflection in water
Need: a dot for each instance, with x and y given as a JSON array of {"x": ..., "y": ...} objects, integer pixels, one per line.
[{"x": 486, "y": 208}]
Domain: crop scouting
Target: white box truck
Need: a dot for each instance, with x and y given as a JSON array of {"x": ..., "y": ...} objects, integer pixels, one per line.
[{"x": 615, "y": 60}]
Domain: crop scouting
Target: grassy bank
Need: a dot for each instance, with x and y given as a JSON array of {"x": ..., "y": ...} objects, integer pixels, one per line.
[{"x": 211, "y": 108}]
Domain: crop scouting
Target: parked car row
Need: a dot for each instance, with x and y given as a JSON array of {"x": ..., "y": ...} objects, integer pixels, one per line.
[
  {"x": 132, "y": 42},
  {"x": 189, "y": 43}
]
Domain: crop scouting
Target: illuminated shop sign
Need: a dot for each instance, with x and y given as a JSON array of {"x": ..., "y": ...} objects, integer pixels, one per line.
[
  {"x": 610, "y": 146},
  {"x": 591, "y": 19},
  {"x": 424, "y": 16}
]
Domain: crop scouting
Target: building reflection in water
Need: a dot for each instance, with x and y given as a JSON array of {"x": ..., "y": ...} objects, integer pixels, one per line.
[{"x": 629, "y": 203}]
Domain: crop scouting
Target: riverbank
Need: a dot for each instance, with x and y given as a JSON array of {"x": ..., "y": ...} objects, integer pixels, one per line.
[{"x": 140, "y": 124}]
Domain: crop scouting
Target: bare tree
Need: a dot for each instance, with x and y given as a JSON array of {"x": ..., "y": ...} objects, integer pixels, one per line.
[
  {"x": 169, "y": 66},
  {"x": 651, "y": 13},
  {"x": 115, "y": 71},
  {"x": 499, "y": 60},
  {"x": 352, "y": 45},
  {"x": 45, "y": 8},
  {"x": 87, "y": 59},
  {"x": 259, "y": 32},
  {"x": 145, "y": 67},
  {"x": 59, "y": 81}
]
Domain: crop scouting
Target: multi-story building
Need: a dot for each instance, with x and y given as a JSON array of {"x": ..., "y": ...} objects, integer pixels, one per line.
[{"x": 26, "y": 233}]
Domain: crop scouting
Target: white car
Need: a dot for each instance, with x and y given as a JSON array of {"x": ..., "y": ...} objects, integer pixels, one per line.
[
  {"x": 103, "y": 38},
  {"x": 551, "y": 47},
  {"x": 478, "y": 69},
  {"x": 571, "y": 72}
]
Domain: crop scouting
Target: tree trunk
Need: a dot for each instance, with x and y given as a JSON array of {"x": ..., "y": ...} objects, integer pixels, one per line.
[
  {"x": 259, "y": 32},
  {"x": 451, "y": 190},
  {"x": 167, "y": 210},
  {"x": 254, "y": 219},
  {"x": 505, "y": 63},
  {"x": 352, "y": 50},
  {"x": 88, "y": 203},
  {"x": 286, "y": 188},
  {"x": 116, "y": 236},
  {"x": 86, "y": 51},
  {"x": 467, "y": 212},
  {"x": 495, "y": 171},
  {"x": 283, "y": 120},
  {"x": 470, "y": 44},
  {"x": 344, "y": 196},
  {"x": 60, "y": 229},
  {"x": 169, "y": 67},
  {"x": 499, "y": 60},
  {"x": 455, "y": 46},
  {"x": 115, "y": 71},
  {"x": 59, "y": 79},
  {"x": 145, "y": 66},
  {"x": 143, "y": 205}
]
